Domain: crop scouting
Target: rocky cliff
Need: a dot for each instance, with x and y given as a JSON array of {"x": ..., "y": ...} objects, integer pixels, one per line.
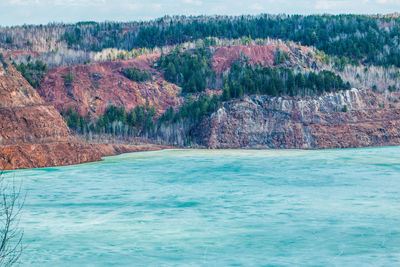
[
  {"x": 97, "y": 85},
  {"x": 32, "y": 133},
  {"x": 354, "y": 118}
]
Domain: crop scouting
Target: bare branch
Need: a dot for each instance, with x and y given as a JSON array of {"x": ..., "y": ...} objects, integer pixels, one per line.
[{"x": 10, "y": 234}]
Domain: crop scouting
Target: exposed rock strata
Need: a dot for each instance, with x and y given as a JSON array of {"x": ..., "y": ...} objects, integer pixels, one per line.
[
  {"x": 28, "y": 156},
  {"x": 311, "y": 123},
  {"x": 32, "y": 133}
]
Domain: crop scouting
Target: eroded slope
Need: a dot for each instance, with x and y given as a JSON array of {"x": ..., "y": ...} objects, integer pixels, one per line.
[
  {"x": 97, "y": 85},
  {"x": 32, "y": 133}
]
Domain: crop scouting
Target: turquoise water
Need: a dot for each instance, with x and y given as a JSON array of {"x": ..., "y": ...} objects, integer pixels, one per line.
[{"x": 217, "y": 208}]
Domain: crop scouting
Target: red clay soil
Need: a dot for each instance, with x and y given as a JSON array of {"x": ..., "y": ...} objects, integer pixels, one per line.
[
  {"x": 264, "y": 54},
  {"x": 29, "y": 156},
  {"x": 98, "y": 85},
  {"x": 32, "y": 133}
]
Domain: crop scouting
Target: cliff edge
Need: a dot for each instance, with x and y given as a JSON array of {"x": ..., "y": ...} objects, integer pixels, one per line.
[{"x": 32, "y": 133}]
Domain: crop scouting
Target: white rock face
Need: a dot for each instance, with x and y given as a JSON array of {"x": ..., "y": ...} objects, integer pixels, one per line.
[
  {"x": 321, "y": 122},
  {"x": 307, "y": 123}
]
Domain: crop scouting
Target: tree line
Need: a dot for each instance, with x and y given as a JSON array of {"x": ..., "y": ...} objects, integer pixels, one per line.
[
  {"x": 246, "y": 79},
  {"x": 368, "y": 39},
  {"x": 192, "y": 110},
  {"x": 364, "y": 38},
  {"x": 137, "y": 75},
  {"x": 115, "y": 121}
]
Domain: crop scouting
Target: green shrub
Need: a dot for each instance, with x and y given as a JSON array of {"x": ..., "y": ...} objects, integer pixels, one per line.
[
  {"x": 392, "y": 88},
  {"x": 68, "y": 78},
  {"x": 5, "y": 65},
  {"x": 137, "y": 75},
  {"x": 33, "y": 72}
]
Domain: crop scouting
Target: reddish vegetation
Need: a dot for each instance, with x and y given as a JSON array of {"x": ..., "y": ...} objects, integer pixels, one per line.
[
  {"x": 98, "y": 85},
  {"x": 264, "y": 54}
]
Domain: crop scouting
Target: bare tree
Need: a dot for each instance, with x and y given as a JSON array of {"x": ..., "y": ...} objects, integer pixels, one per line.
[{"x": 10, "y": 232}]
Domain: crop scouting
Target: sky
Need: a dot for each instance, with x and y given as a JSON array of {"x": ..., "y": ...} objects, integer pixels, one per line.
[{"x": 18, "y": 12}]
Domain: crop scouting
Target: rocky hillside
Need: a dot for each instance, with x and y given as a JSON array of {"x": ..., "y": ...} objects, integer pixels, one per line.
[
  {"x": 354, "y": 118},
  {"x": 266, "y": 55},
  {"x": 95, "y": 86},
  {"x": 33, "y": 133},
  {"x": 292, "y": 94}
]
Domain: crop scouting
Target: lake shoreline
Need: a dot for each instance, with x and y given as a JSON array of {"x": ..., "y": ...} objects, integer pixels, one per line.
[
  {"x": 110, "y": 150},
  {"x": 59, "y": 154}
]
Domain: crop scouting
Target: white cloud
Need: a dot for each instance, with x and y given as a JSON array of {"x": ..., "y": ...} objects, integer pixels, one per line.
[
  {"x": 139, "y": 6},
  {"x": 24, "y": 2},
  {"x": 326, "y": 4},
  {"x": 156, "y": 6},
  {"x": 66, "y": 3},
  {"x": 134, "y": 6},
  {"x": 257, "y": 6},
  {"x": 388, "y": 2},
  {"x": 79, "y": 2},
  {"x": 193, "y": 2}
]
